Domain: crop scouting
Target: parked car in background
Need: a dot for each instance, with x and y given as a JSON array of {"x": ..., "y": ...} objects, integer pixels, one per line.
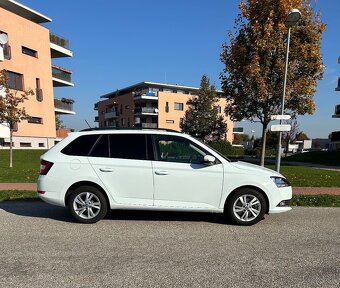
[{"x": 94, "y": 171}]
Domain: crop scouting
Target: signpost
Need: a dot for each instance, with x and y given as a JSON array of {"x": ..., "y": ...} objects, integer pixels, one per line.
[
  {"x": 280, "y": 128},
  {"x": 280, "y": 117}
]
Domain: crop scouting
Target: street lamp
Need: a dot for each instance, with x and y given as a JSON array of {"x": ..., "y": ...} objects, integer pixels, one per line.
[{"x": 292, "y": 18}]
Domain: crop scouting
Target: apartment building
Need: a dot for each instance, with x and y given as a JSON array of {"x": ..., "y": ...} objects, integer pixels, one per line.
[
  {"x": 149, "y": 105},
  {"x": 27, "y": 59}
]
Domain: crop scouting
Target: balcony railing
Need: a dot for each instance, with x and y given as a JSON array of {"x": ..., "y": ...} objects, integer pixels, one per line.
[
  {"x": 148, "y": 110},
  {"x": 111, "y": 114},
  {"x": 61, "y": 73},
  {"x": 59, "y": 41},
  {"x": 59, "y": 104},
  {"x": 337, "y": 110},
  {"x": 147, "y": 125},
  {"x": 338, "y": 88},
  {"x": 95, "y": 106}
]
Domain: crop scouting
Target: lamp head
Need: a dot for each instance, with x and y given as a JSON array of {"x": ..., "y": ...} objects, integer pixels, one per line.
[{"x": 293, "y": 17}]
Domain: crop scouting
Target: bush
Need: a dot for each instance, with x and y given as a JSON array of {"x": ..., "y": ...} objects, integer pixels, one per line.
[{"x": 225, "y": 148}]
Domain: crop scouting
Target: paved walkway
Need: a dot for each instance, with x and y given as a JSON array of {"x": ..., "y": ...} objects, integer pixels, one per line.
[{"x": 296, "y": 190}]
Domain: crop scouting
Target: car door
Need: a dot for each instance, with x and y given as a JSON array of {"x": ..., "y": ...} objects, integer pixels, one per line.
[
  {"x": 181, "y": 179},
  {"x": 122, "y": 163}
]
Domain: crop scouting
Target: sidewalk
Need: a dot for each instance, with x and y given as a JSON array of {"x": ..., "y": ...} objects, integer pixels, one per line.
[{"x": 296, "y": 190}]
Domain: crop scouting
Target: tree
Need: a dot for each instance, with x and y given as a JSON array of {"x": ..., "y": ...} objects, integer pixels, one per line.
[
  {"x": 301, "y": 136},
  {"x": 252, "y": 79},
  {"x": 201, "y": 120},
  {"x": 290, "y": 136},
  {"x": 10, "y": 111},
  {"x": 59, "y": 124}
]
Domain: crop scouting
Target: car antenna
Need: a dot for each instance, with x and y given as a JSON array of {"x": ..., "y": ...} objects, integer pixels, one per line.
[{"x": 88, "y": 124}]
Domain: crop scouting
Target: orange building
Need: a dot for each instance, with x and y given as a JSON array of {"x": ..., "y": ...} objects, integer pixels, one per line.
[
  {"x": 27, "y": 59},
  {"x": 150, "y": 105}
]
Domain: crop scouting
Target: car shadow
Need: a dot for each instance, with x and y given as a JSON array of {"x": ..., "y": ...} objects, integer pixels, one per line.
[
  {"x": 37, "y": 208},
  {"x": 41, "y": 209}
]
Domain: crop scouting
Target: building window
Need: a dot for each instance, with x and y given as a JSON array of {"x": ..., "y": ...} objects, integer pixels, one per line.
[
  {"x": 167, "y": 107},
  {"x": 29, "y": 51},
  {"x": 35, "y": 120},
  {"x": 41, "y": 145},
  {"x": 25, "y": 144},
  {"x": 38, "y": 90},
  {"x": 178, "y": 106},
  {"x": 169, "y": 121},
  {"x": 15, "y": 80},
  {"x": 174, "y": 91},
  {"x": 219, "y": 109}
]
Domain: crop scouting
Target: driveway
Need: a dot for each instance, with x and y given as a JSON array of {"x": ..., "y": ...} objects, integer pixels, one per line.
[{"x": 42, "y": 247}]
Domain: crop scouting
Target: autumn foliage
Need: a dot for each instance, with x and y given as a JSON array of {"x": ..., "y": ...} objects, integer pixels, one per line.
[{"x": 254, "y": 59}]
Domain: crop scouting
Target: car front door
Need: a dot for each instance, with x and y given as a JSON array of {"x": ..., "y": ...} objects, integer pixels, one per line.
[{"x": 181, "y": 179}]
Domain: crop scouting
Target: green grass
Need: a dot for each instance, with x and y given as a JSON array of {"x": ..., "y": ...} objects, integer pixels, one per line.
[
  {"x": 316, "y": 200},
  {"x": 300, "y": 176},
  {"x": 331, "y": 158},
  {"x": 26, "y": 165},
  {"x": 18, "y": 195}
]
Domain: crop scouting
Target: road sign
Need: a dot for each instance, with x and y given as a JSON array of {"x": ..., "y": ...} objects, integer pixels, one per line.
[
  {"x": 280, "y": 128},
  {"x": 280, "y": 117}
]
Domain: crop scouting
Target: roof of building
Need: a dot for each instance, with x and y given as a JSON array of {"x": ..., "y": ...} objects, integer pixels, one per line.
[
  {"x": 24, "y": 11},
  {"x": 148, "y": 84}
]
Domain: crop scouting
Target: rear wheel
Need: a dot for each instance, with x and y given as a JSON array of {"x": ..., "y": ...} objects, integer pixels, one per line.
[
  {"x": 246, "y": 207},
  {"x": 87, "y": 204}
]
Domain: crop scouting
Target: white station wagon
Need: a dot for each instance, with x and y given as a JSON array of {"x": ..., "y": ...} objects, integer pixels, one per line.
[{"x": 94, "y": 171}]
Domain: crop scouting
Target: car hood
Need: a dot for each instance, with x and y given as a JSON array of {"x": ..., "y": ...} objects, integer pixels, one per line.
[{"x": 254, "y": 168}]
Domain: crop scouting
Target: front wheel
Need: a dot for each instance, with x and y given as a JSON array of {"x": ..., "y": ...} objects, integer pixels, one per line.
[
  {"x": 246, "y": 207},
  {"x": 87, "y": 204}
]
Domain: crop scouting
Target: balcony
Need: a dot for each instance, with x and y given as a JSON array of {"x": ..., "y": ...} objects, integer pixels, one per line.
[
  {"x": 95, "y": 106},
  {"x": 63, "y": 106},
  {"x": 111, "y": 114},
  {"x": 147, "y": 125},
  {"x": 337, "y": 112},
  {"x": 146, "y": 111},
  {"x": 61, "y": 77},
  {"x": 146, "y": 96},
  {"x": 59, "y": 47},
  {"x": 96, "y": 119}
]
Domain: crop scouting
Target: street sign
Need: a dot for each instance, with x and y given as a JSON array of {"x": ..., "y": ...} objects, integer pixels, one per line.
[
  {"x": 280, "y": 128},
  {"x": 280, "y": 117}
]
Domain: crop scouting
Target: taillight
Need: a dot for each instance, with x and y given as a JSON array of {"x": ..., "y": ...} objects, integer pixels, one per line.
[{"x": 45, "y": 166}]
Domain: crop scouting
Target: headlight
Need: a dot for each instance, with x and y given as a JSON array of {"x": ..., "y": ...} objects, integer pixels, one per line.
[{"x": 280, "y": 181}]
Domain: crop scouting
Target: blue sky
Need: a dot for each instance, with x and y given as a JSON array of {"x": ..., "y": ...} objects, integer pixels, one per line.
[{"x": 119, "y": 43}]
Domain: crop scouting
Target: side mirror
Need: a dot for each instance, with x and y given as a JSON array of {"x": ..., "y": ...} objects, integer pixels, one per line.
[{"x": 209, "y": 160}]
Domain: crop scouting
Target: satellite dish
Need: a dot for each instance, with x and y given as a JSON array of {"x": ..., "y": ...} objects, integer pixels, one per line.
[{"x": 3, "y": 39}]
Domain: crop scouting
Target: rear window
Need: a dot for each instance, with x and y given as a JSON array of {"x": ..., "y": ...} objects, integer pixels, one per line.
[
  {"x": 124, "y": 146},
  {"x": 80, "y": 146}
]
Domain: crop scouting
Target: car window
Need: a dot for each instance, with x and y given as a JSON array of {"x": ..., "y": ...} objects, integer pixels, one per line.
[
  {"x": 177, "y": 149},
  {"x": 124, "y": 146},
  {"x": 80, "y": 146}
]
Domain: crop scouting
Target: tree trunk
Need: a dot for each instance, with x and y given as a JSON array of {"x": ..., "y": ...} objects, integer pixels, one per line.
[
  {"x": 10, "y": 148},
  {"x": 264, "y": 136}
]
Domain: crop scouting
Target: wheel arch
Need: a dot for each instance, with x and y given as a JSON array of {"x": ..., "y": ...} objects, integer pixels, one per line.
[
  {"x": 251, "y": 187},
  {"x": 76, "y": 185}
]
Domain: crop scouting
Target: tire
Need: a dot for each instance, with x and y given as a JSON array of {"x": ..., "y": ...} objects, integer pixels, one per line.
[
  {"x": 87, "y": 204},
  {"x": 246, "y": 207}
]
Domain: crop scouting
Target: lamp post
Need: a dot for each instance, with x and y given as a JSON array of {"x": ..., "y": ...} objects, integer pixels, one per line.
[{"x": 292, "y": 18}]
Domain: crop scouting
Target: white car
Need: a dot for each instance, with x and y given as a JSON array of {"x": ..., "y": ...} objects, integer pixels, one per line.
[{"x": 94, "y": 171}]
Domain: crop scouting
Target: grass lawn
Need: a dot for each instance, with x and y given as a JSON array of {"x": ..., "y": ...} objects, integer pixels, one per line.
[
  {"x": 26, "y": 166},
  {"x": 331, "y": 158},
  {"x": 16, "y": 195},
  {"x": 300, "y": 176}
]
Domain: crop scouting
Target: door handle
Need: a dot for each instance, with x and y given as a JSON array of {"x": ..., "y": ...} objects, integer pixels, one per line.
[
  {"x": 106, "y": 169},
  {"x": 161, "y": 172}
]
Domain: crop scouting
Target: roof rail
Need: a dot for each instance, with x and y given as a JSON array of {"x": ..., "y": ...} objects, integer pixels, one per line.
[{"x": 128, "y": 128}]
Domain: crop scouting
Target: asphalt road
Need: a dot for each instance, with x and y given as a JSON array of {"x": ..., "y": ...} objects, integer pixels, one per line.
[{"x": 42, "y": 247}]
